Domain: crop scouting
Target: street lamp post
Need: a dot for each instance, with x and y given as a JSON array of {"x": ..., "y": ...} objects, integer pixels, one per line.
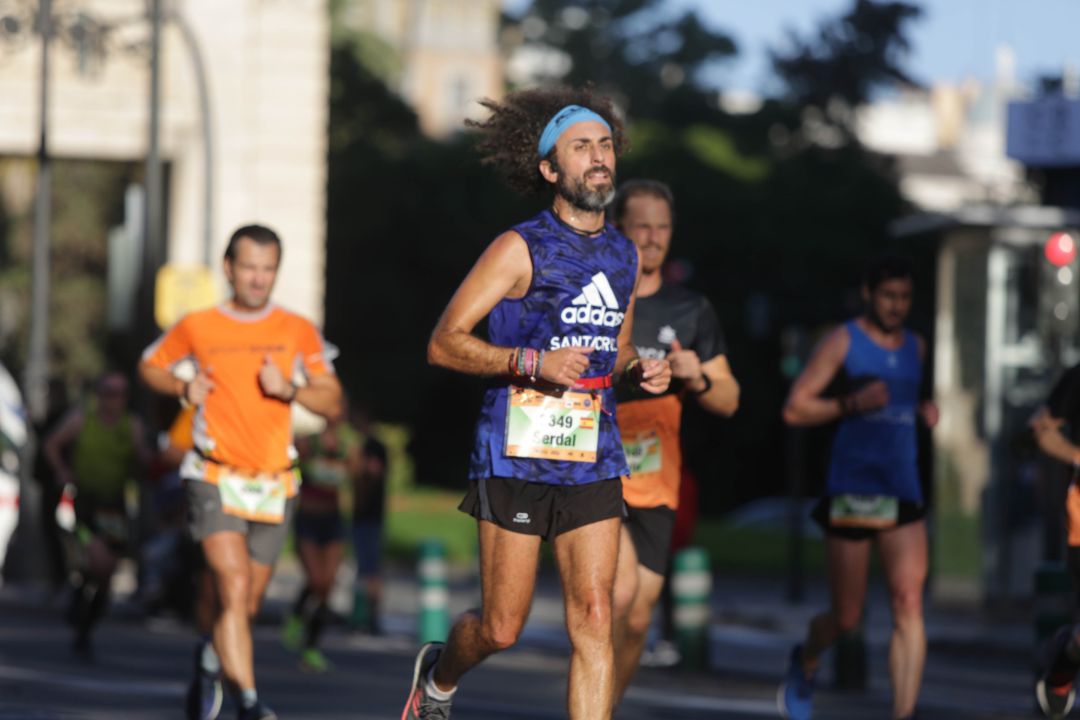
[{"x": 36, "y": 375}]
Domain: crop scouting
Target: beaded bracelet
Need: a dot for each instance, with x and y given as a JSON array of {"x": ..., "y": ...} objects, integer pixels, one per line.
[{"x": 526, "y": 362}]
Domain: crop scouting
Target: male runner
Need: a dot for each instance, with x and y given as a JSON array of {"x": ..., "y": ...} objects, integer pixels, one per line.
[
  {"x": 241, "y": 479},
  {"x": 106, "y": 446},
  {"x": 873, "y": 490},
  {"x": 1057, "y": 430},
  {"x": 558, "y": 292},
  {"x": 680, "y": 325}
]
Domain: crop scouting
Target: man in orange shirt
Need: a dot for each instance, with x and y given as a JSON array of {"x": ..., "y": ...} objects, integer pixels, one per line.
[
  {"x": 241, "y": 476},
  {"x": 678, "y": 325}
]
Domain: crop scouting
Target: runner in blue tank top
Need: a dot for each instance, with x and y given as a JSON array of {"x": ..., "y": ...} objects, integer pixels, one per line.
[
  {"x": 558, "y": 293},
  {"x": 873, "y": 490}
]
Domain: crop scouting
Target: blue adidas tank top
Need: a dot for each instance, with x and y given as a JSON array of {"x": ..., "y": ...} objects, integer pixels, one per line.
[
  {"x": 876, "y": 453},
  {"x": 581, "y": 287}
]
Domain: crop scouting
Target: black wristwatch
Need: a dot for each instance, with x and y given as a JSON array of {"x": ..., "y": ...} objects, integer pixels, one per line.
[{"x": 708, "y": 385}]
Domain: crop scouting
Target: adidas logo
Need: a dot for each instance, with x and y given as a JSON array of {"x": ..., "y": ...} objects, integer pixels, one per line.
[{"x": 596, "y": 305}]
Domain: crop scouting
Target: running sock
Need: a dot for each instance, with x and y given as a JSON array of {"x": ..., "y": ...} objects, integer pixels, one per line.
[
  {"x": 300, "y": 606},
  {"x": 315, "y": 624},
  {"x": 248, "y": 697},
  {"x": 209, "y": 661},
  {"x": 432, "y": 690}
]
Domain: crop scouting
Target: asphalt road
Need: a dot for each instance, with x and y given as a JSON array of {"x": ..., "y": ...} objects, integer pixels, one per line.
[{"x": 141, "y": 667}]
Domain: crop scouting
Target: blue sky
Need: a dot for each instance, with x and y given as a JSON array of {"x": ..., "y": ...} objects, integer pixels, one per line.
[{"x": 954, "y": 39}]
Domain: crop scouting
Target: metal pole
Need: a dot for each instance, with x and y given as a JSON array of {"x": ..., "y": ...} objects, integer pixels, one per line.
[
  {"x": 152, "y": 234},
  {"x": 36, "y": 375},
  {"x": 199, "y": 66}
]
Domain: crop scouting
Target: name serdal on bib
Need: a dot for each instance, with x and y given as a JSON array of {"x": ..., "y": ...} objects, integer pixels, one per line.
[
  {"x": 864, "y": 511},
  {"x": 552, "y": 427},
  {"x": 252, "y": 497},
  {"x": 644, "y": 453}
]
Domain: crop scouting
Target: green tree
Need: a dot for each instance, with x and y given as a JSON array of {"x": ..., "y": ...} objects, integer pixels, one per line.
[
  {"x": 849, "y": 58},
  {"x": 651, "y": 60},
  {"x": 87, "y": 201}
]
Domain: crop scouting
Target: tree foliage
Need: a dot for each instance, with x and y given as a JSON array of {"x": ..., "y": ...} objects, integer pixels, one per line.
[
  {"x": 650, "y": 60},
  {"x": 849, "y": 58}
]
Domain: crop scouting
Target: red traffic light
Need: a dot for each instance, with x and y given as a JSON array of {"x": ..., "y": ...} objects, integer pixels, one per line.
[{"x": 1060, "y": 249}]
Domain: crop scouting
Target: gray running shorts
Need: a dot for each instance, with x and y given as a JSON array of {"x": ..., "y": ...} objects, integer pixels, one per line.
[{"x": 205, "y": 517}]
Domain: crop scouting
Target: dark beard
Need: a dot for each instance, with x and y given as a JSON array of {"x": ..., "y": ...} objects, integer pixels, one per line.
[
  {"x": 578, "y": 194},
  {"x": 878, "y": 322}
]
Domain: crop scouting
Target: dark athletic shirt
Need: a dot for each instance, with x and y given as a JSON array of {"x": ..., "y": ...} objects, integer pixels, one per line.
[{"x": 671, "y": 313}]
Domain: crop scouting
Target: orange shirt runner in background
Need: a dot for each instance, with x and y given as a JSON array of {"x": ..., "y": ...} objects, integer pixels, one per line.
[
  {"x": 650, "y": 433},
  {"x": 238, "y": 426}
]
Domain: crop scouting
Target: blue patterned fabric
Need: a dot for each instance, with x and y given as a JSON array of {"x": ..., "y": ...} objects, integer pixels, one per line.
[
  {"x": 581, "y": 287},
  {"x": 876, "y": 453}
]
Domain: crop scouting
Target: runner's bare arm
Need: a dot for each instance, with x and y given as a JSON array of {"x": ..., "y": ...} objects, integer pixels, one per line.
[
  {"x": 723, "y": 397},
  {"x": 804, "y": 405},
  {"x": 928, "y": 409},
  {"x": 503, "y": 270},
  {"x": 655, "y": 374},
  {"x": 58, "y": 440},
  {"x": 322, "y": 395},
  {"x": 160, "y": 380},
  {"x": 1048, "y": 435}
]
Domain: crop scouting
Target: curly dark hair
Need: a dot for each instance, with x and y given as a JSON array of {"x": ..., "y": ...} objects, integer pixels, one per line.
[{"x": 510, "y": 135}]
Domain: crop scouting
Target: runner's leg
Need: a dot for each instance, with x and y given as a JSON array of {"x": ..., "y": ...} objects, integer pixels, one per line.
[
  {"x": 508, "y": 564},
  {"x": 626, "y": 590},
  {"x": 635, "y": 628},
  {"x": 904, "y": 558},
  {"x": 848, "y": 564},
  {"x": 228, "y": 562},
  {"x": 260, "y": 574},
  {"x": 331, "y": 555},
  {"x": 586, "y": 557}
]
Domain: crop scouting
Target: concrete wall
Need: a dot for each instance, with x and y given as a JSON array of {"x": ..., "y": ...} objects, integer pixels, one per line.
[{"x": 268, "y": 68}]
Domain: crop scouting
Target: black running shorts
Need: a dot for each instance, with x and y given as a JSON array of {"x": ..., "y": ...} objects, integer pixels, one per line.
[
  {"x": 650, "y": 529},
  {"x": 907, "y": 512},
  {"x": 540, "y": 509}
]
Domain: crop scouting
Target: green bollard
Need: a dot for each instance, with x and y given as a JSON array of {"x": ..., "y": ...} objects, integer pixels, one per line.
[
  {"x": 1053, "y": 600},
  {"x": 434, "y": 616},
  {"x": 691, "y": 586}
]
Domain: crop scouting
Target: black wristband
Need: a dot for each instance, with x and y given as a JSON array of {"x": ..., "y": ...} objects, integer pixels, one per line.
[
  {"x": 708, "y": 384},
  {"x": 292, "y": 396}
]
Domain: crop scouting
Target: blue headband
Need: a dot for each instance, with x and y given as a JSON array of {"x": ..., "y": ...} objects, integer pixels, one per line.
[{"x": 569, "y": 115}]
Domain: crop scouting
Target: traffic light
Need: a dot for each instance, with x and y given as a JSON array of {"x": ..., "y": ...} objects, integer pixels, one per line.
[{"x": 1059, "y": 289}]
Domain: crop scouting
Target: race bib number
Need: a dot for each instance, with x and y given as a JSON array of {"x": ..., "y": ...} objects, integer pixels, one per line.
[
  {"x": 864, "y": 511},
  {"x": 252, "y": 497},
  {"x": 644, "y": 453},
  {"x": 549, "y": 427},
  {"x": 326, "y": 472}
]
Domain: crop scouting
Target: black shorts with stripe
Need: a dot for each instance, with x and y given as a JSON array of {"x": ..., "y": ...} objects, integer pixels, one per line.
[{"x": 532, "y": 508}]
